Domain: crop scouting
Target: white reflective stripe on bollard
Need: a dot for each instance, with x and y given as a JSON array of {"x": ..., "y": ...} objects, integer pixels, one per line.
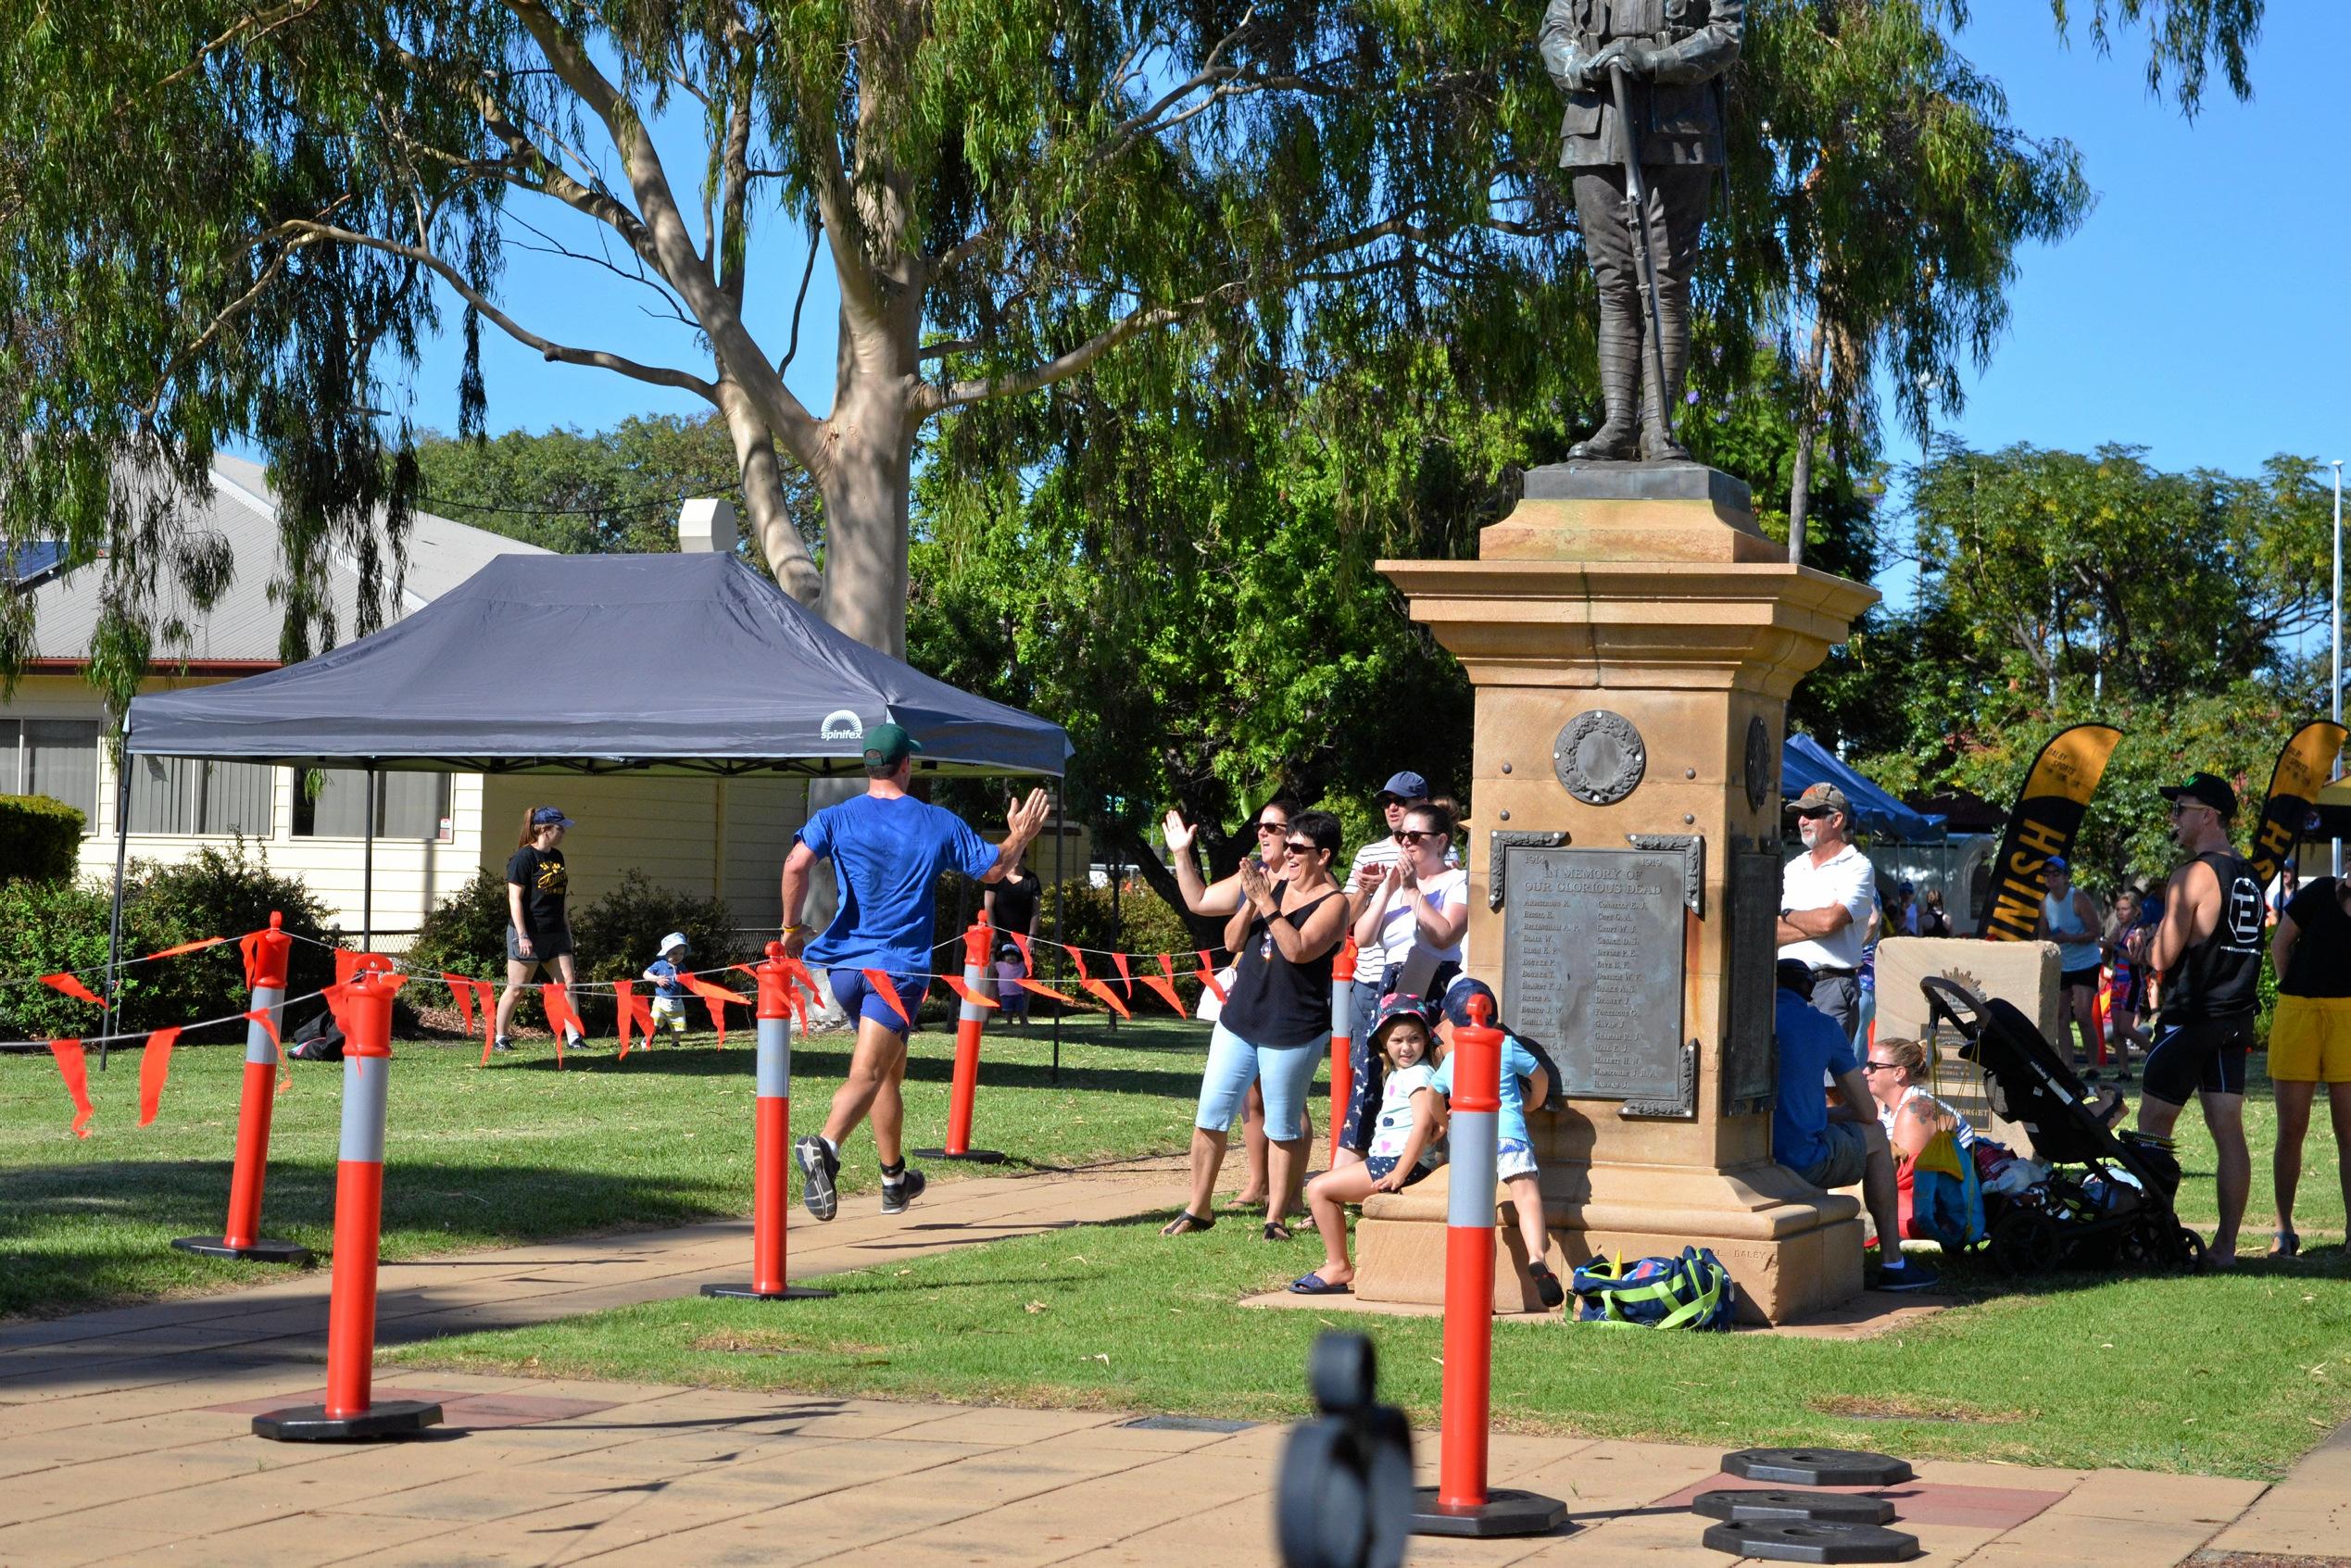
[
  {"x": 776, "y": 1059},
  {"x": 1471, "y": 1139},
  {"x": 364, "y": 1081},
  {"x": 258, "y": 1047},
  {"x": 1342, "y": 1020},
  {"x": 971, "y": 1012}
]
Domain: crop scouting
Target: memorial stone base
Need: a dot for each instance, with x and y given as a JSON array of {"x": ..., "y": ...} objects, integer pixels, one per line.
[{"x": 1632, "y": 640}]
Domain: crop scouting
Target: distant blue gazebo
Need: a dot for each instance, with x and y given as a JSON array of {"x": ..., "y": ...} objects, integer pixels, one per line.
[{"x": 1805, "y": 762}]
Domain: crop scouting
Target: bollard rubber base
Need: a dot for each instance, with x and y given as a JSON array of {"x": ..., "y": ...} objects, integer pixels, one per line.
[
  {"x": 263, "y": 1250},
  {"x": 1798, "y": 1540},
  {"x": 1744, "y": 1506},
  {"x": 751, "y": 1293},
  {"x": 1505, "y": 1512},
  {"x": 1819, "y": 1467},
  {"x": 970, "y": 1156},
  {"x": 310, "y": 1424}
]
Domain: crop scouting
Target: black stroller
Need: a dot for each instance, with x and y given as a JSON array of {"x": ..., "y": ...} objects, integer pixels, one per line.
[{"x": 2108, "y": 1199}]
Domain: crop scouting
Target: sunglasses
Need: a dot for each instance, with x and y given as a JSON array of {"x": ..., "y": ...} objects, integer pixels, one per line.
[
  {"x": 1427, "y": 835},
  {"x": 1879, "y": 1066},
  {"x": 1273, "y": 827},
  {"x": 1300, "y": 846},
  {"x": 2179, "y": 806}
]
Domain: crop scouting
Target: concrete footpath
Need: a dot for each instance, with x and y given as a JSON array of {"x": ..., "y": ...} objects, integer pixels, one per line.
[{"x": 124, "y": 1438}]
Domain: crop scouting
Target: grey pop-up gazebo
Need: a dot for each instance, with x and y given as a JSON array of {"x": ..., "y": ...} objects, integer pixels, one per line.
[{"x": 592, "y": 664}]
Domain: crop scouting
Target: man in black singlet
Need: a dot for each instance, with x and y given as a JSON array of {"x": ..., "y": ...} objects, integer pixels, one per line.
[{"x": 2208, "y": 953}]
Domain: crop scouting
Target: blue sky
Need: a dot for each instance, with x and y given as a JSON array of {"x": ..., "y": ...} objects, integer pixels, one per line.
[{"x": 2199, "y": 312}]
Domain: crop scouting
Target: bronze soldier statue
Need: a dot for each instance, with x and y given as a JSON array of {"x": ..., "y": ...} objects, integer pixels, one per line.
[{"x": 1654, "y": 63}]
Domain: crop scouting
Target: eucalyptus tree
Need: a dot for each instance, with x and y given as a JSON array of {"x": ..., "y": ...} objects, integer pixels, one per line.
[{"x": 235, "y": 219}]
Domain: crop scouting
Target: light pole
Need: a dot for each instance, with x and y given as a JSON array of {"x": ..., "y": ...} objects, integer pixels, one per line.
[{"x": 2334, "y": 688}]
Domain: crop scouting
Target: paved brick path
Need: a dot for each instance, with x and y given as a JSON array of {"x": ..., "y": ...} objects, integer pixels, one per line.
[{"x": 122, "y": 1440}]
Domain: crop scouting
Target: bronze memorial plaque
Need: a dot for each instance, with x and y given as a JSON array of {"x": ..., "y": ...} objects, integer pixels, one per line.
[
  {"x": 1592, "y": 967},
  {"x": 1748, "y": 1065}
]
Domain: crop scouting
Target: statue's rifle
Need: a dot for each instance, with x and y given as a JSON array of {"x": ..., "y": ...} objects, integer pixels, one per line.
[{"x": 1644, "y": 250}]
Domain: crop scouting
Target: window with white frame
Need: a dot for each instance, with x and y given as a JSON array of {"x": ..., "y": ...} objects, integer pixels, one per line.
[
  {"x": 57, "y": 758},
  {"x": 332, "y": 803},
  {"x": 190, "y": 795}
]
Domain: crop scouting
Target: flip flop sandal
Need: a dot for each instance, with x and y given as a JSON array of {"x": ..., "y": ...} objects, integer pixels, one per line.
[
  {"x": 2285, "y": 1243},
  {"x": 1315, "y": 1284},
  {"x": 1185, "y": 1222},
  {"x": 1277, "y": 1231}
]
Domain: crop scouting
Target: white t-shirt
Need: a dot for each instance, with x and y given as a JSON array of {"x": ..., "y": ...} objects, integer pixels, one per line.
[
  {"x": 1400, "y": 934},
  {"x": 1394, "y": 1127},
  {"x": 1847, "y": 879}
]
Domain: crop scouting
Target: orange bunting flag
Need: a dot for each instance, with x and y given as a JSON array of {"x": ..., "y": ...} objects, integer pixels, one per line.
[
  {"x": 1126, "y": 975},
  {"x": 797, "y": 972},
  {"x": 268, "y": 1025},
  {"x": 1110, "y": 997},
  {"x": 1207, "y": 976},
  {"x": 559, "y": 1017},
  {"x": 249, "y": 949},
  {"x": 1165, "y": 984},
  {"x": 1028, "y": 961},
  {"x": 1040, "y": 988},
  {"x": 715, "y": 997},
  {"x": 185, "y": 947},
  {"x": 76, "y": 1073},
  {"x": 155, "y": 1066},
  {"x": 887, "y": 989},
  {"x": 1077, "y": 958},
  {"x": 635, "y": 1010},
  {"x": 64, "y": 981},
  {"x": 978, "y": 1000},
  {"x": 462, "y": 993}
]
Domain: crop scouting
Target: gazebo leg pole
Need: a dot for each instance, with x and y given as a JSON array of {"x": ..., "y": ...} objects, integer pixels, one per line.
[
  {"x": 121, "y": 850},
  {"x": 366, "y": 871}
]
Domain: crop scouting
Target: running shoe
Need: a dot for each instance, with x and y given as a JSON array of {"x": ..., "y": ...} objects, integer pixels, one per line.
[
  {"x": 819, "y": 1165},
  {"x": 1911, "y": 1275},
  {"x": 502, "y": 1044},
  {"x": 897, "y": 1195}
]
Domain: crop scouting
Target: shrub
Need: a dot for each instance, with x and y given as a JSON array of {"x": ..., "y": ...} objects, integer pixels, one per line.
[
  {"x": 465, "y": 934},
  {"x": 63, "y": 926},
  {"x": 40, "y": 838}
]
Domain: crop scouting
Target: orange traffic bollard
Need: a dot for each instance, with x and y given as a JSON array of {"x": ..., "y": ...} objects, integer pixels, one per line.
[
  {"x": 771, "y": 1142},
  {"x": 1461, "y": 1504},
  {"x": 1342, "y": 1043},
  {"x": 350, "y": 1410},
  {"x": 970, "y": 1022},
  {"x": 242, "y": 1238}
]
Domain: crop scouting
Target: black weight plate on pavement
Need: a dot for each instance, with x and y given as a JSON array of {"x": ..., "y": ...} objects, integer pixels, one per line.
[
  {"x": 1817, "y": 1467},
  {"x": 1742, "y": 1506},
  {"x": 1797, "y": 1540}
]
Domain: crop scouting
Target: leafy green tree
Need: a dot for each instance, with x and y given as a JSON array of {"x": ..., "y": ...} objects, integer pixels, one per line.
[
  {"x": 236, "y": 220},
  {"x": 578, "y": 491}
]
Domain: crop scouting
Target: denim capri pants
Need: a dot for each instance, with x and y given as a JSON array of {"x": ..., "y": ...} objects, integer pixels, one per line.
[{"x": 1286, "y": 1072}]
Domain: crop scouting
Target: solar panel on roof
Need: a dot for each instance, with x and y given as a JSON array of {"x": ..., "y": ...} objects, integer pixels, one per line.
[{"x": 30, "y": 562}]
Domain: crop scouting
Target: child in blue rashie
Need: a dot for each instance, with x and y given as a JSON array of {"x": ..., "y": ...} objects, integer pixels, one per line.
[
  {"x": 1404, "y": 1143},
  {"x": 1525, "y": 1085},
  {"x": 669, "y": 993}
]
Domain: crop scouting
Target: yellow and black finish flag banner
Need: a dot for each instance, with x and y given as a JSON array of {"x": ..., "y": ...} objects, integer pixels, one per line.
[
  {"x": 2301, "y": 772},
  {"x": 2046, "y": 817}
]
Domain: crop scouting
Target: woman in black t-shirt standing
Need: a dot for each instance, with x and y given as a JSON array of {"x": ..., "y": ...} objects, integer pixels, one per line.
[{"x": 538, "y": 932}]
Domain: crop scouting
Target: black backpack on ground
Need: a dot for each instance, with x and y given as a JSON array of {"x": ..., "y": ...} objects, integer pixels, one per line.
[{"x": 317, "y": 1040}]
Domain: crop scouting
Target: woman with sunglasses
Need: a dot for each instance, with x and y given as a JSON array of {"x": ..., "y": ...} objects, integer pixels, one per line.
[
  {"x": 1409, "y": 932},
  {"x": 1275, "y": 1023},
  {"x": 1220, "y": 899}
]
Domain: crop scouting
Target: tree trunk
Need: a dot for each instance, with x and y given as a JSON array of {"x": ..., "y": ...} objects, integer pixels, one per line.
[
  {"x": 1808, "y": 426},
  {"x": 866, "y": 477},
  {"x": 772, "y": 527}
]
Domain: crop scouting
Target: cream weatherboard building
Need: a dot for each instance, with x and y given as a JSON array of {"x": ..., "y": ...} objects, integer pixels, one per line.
[{"x": 434, "y": 830}]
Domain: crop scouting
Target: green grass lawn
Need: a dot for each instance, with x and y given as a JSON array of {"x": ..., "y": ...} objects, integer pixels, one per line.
[
  {"x": 2225, "y": 1374},
  {"x": 515, "y": 1153}
]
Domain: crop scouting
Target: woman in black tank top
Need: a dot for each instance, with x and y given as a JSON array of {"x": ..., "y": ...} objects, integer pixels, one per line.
[{"x": 1276, "y": 1020}]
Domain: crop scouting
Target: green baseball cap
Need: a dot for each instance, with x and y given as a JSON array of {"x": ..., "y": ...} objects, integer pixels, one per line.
[{"x": 886, "y": 744}]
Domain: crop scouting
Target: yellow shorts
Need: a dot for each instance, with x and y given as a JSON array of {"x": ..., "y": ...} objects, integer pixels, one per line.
[{"x": 2310, "y": 1040}]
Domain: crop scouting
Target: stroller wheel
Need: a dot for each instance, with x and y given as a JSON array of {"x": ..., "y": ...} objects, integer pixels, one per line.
[
  {"x": 2188, "y": 1252},
  {"x": 2025, "y": 1242}
]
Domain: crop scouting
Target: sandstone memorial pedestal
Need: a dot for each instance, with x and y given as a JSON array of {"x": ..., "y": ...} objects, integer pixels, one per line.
[{"x": 1632, "y": 639}]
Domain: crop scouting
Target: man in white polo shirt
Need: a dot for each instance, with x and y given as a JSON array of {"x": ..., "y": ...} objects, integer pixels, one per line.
[{"x": 1826, "y": 897}]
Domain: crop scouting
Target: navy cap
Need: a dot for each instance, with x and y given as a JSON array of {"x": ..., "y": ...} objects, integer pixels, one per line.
[
  {"x": 1457, "y": 997},
  {"x": 1407, "y": 786},
  {"x": 548, "y": 817},
  {"x": 2057, "y": 863}
]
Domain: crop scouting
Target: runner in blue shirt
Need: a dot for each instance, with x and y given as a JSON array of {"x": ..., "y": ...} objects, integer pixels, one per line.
[{"x": 887, "y": 850}]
